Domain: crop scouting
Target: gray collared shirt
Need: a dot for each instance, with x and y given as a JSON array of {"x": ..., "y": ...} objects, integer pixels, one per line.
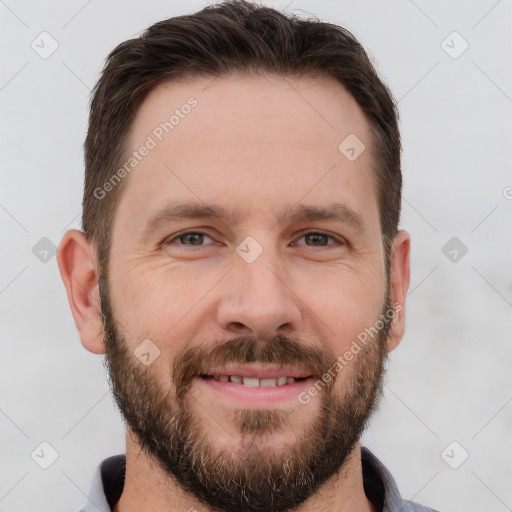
[{"x": 379, "y": 485}]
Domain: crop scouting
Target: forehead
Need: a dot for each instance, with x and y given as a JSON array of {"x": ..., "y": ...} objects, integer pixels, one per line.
[
  {"x": 314, "y": 111},
  {"x": 248, "y": 141}
]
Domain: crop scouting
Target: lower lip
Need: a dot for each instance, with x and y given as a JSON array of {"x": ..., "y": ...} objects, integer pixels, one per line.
[{"x": 256, "y": 396}]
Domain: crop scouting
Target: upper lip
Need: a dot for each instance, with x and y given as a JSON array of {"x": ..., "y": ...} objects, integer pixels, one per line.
[{"x": 260, "y": 372}]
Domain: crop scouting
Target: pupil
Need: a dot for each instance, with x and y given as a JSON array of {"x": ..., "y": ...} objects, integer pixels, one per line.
[
  {"x": 194, "y": 238},
  {"x": 317, "y": 235}
]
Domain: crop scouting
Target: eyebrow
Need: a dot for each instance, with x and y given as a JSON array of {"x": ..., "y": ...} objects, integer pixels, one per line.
[{"x": 300, "y": 213}]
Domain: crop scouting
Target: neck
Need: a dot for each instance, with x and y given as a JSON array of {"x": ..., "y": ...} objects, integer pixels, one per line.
[{"x": 148, "y": 488}]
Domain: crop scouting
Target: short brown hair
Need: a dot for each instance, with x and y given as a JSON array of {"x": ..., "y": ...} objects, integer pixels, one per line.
[{"x": 233, "y": 36}]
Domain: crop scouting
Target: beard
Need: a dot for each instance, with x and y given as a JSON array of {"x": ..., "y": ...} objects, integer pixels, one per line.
[{"x": 253, "y": 477}]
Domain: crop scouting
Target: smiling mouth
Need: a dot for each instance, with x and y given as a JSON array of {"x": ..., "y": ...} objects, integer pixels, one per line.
[{"x": 255, "y": 382}]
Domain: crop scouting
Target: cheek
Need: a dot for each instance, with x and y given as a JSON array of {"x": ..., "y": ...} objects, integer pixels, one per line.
[
  {"x": 163, "y": 300},
  {"x": 345, "y": 303},
  {"x": 157, "y": 302}
]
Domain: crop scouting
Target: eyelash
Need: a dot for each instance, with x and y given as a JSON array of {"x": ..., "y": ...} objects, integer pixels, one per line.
[{"x": 302, "y": 234}]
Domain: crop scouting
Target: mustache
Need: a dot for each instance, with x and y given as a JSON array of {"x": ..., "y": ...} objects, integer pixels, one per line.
[{"x": 279, "y": 350}]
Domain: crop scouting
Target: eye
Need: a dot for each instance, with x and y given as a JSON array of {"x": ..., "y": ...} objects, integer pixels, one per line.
[
  {"x": 318, "y": 239},
  {"x": 198, "y": 239},
  {"x": 190, "y": 238}
]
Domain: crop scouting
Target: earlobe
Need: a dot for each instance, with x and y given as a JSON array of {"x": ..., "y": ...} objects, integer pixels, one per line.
[
  {"x": 77, "y": 265},
  {"x": 399, "y": 284}
]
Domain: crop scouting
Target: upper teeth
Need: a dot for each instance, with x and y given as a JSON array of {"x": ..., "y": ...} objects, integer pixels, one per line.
[{"x": 254, "y": 382}]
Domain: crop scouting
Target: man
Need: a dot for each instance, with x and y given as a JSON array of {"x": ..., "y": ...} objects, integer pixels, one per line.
[{"x": 240, "y": 264}]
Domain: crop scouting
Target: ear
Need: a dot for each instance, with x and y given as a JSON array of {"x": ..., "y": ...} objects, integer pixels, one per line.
[
  {"x": 399, "y": 284},
  {"x": 76, "y": 257}
]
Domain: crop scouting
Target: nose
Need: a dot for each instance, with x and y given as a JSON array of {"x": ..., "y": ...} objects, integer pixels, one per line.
[{"x": 259, "y": 300}]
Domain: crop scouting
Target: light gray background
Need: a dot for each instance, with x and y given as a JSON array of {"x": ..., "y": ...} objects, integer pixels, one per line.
[{"x": 450, "y": 378}]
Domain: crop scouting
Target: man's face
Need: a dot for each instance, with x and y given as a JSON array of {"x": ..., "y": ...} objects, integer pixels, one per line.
[{"x": 263, "y": 293}]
